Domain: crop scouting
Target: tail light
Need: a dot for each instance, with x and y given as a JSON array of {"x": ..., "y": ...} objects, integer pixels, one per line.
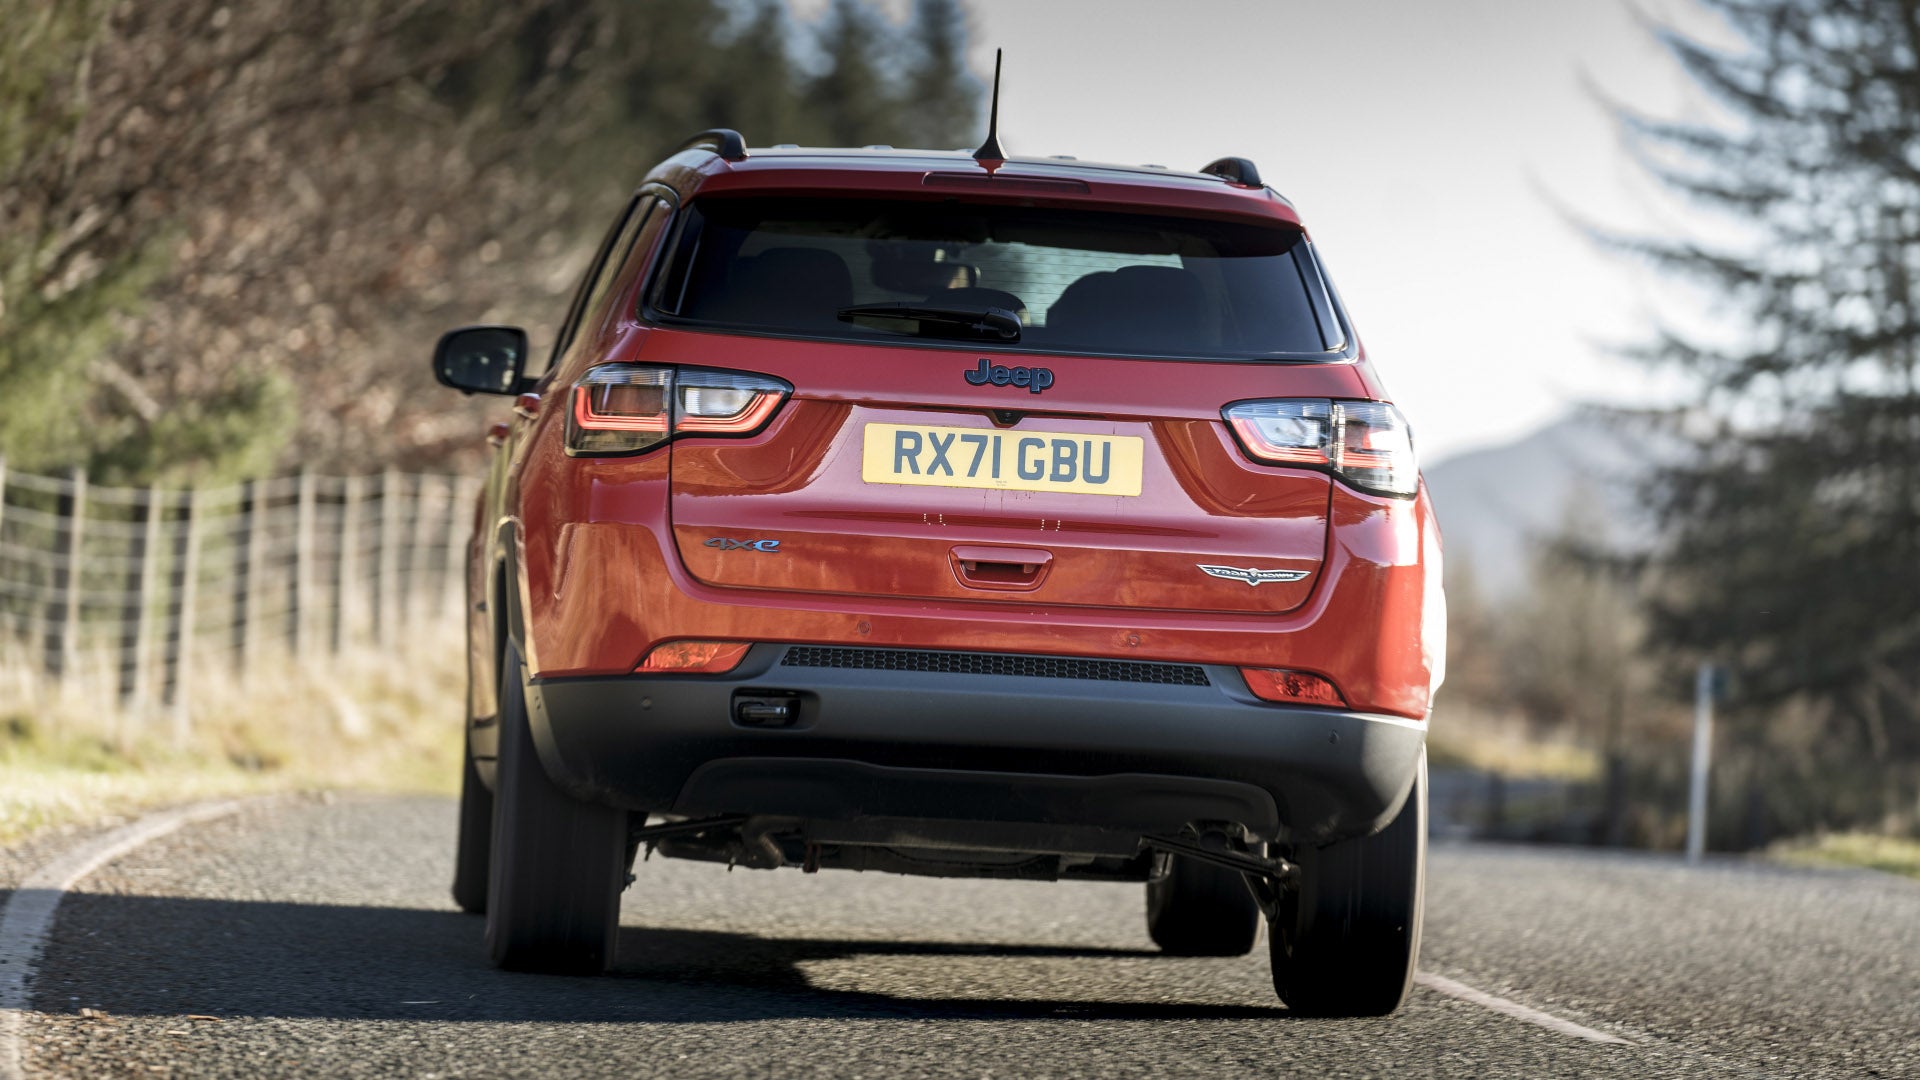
[
  {"x": 1365, "y": 443},
  {"x": 1292, "y": 687},
  {"x": 695, "y": 657},
  {"x": 628, "y": 408},
  {"x": 620, "y": 409}
]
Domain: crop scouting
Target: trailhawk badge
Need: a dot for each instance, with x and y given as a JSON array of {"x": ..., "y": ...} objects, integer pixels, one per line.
[{"x": 1250, "y": 575}]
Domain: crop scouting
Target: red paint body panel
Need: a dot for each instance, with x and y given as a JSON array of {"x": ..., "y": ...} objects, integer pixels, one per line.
[
  {"x": 841, "y": 535},
  {"x": 610, "y": 552},
  {"x": 604, "y": 586}
]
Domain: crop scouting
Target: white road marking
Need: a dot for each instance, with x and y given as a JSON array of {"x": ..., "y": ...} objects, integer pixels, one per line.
[
  {"x": 1443, "y": 985},
  {"x": 28, "y": 915}
]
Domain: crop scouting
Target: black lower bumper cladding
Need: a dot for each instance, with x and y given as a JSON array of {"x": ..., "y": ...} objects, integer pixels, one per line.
[{"x": 920, "y": 734}]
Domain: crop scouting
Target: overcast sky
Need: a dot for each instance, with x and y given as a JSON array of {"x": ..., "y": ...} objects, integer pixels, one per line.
[{"x": 1425, "y": 142}]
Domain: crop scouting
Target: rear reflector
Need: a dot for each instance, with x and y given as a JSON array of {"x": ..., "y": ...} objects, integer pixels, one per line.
[
  {"x": 1294, "y": 687},
  {"x": 688, "y": 657}
]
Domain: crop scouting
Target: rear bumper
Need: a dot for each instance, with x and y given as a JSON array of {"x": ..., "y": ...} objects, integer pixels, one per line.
[
  {"x": 595, "y": 583},
  {"x": 1074, "y": 753}
]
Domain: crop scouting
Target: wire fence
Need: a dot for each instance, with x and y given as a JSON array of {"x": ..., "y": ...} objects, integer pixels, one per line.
[{"x": 132, "y": 590}]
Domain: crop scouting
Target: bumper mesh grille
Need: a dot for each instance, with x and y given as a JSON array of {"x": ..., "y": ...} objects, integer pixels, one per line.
[{"x": 959, "y": 663}]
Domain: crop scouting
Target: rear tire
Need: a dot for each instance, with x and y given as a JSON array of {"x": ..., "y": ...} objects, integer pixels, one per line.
[
  {"x": 473, "y": 849},
  {"x": 1199, "y": 909},
  {"x": 1346, "y": 943},
  {"x": 553, "y": 901}
]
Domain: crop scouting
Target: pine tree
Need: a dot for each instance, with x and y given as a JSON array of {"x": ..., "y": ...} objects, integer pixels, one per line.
[
  {"x": 941, "y": 98},
  {"x": 755, "y": 92},
  {"x": 1792, "y": 519},
  {"x": 60, "y": 280},
  {"x": 853, "y": 100}
]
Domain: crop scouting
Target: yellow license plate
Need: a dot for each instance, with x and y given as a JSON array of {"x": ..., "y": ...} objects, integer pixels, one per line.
[{"x": 1003, "y": 460}]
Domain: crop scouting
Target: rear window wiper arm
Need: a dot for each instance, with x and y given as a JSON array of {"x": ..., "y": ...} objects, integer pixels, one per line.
[{"x": 992, "y": 323}]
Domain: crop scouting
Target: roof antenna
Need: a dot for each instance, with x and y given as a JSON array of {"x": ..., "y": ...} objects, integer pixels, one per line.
[{"x": 990, "y": 150}]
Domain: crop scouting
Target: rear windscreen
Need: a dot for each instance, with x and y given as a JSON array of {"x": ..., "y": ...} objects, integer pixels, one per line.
[{"x": 1077, "y": 281}]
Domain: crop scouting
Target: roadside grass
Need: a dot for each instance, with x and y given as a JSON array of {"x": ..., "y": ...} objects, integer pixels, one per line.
[
  {"x": 1893, "y": 854},
  {"x": 1463, "y": 738},
  {"x": 370, "y": 720}
]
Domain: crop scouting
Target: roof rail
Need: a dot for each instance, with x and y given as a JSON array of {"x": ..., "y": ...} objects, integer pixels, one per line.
[
  {"x": 723, "y": 141},
  {"x": 1235, "y": 170}
]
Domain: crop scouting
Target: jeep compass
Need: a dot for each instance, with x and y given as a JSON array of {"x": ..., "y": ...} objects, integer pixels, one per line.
[{"x": 932, "y": 513}]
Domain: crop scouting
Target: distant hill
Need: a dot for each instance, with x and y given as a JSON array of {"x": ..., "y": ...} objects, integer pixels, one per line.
[{"x": 1496, "y": 504}]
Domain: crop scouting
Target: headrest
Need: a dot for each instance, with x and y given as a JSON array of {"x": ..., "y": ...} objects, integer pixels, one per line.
[{"x": 1151, "y": 307}]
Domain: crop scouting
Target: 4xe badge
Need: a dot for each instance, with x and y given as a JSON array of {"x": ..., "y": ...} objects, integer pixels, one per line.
[
  {"x": 1034, "y": 379},
  {"x": 1250, "y": 575},
  {"x": 728, "y": 543}
]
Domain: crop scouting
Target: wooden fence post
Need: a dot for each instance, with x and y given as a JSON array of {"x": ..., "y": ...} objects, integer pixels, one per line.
[
  {"x": 387, "y": 556},
  {"x": 452, "y": 551},
  {"x": 141, "y": 550},
  {"x": 180, "y": 622},
  {"x": 243, "y": 564},
  {"x": 420, "y": 544},
  {"x": 3, "y": 494},
  {"x": 300, "y": 585},
  {"x": 63, "y": 598},
  {"x": 346, "y": 559}
]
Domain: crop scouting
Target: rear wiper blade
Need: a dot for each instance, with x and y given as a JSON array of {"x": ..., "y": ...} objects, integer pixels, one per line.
[{"x": 995, "y": 324}]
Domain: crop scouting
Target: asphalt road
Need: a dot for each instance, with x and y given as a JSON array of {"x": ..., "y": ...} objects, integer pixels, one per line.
[{"x": 315, "y": 938}]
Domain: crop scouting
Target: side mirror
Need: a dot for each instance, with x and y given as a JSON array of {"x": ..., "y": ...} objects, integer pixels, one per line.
[{"x": 481, "y": 359}]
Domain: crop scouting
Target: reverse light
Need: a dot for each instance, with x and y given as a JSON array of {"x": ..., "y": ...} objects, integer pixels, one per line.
[
  {"x": 1292, "y": 687},
  {"x": 695, "y": 657},
  {"x": 725, "y": 402},
  {"x": 1365, "y": 443},
  {"x": 629, "y": 408}
]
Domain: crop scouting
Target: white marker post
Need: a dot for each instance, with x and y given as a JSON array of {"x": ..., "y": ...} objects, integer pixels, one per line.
[{"x": 1702, "y": 755}]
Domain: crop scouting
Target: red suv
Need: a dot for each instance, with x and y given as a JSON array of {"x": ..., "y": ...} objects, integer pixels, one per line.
[{"x": 916, "y": 512}]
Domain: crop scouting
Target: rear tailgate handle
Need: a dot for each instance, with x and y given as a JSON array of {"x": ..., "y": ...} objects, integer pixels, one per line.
[{"x": 983, "y": 567}]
